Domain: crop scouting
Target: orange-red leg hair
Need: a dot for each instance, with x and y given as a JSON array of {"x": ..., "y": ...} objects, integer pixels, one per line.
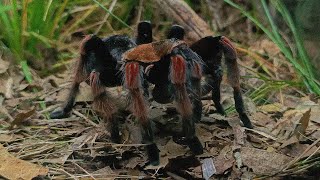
[
  {"x": 139, "y": 108},
  {"x": 105, "y": 106},
  {"x": 178, "y": 77},
  {"x": 234, "y": 79}
]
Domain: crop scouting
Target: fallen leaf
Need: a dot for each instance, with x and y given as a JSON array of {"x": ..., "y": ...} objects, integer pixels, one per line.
[
  {"x": 9, "y": 138},
  {"x": 261, "y": 119},
  {"x": 14, "y": 168},
  {"x": 133, "y": 162},
  {"x": 163, "y": 163},
  {"x": 104, "y": 172},
  {"x": 269, "y": 108},
  {"x": 263, "y": 162},
  {"x": 174, "y": 149},
  {"x": 303, "y": 124},
  {"x": 224, "y": 160},
  {"x": 297, "y": 149},
  {"x": 4, "y": 65},
  {"x": 269, "y": 47},
  {"x": 21, "y": 117}
]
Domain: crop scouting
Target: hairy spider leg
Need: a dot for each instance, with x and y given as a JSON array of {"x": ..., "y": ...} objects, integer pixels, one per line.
[
  {"x": 81, "y": 74},
  {"x": 210, "y": 49},
  {"x": 178, "y": 77},
  {"x": 133, "y": 75},
  {"x": 103, "y": 103},
  {"x": 230, "y": 54},
  {"x": 196, "y": 74}
]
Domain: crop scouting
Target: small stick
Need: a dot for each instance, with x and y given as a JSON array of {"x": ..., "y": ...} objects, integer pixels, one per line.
[
  {"x": 83, "y": 170},
  {"x": 85, "y": 118},
  {"x": 299, "y": 157}
]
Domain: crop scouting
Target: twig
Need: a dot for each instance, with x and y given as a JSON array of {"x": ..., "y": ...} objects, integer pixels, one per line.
[
  {"x": 83, "y": 169},
  {"x": 301, "y": 155},
  {"x": 312, "y": 154},
  {"x": 85, "y": 118},
  {"x": 174, "y": 176},
  {"x": 262, "y": 134},
  {"x": 65, "y": 172}
]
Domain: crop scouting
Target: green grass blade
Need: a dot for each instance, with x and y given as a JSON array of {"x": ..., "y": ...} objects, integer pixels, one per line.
[{"x": 113, "y": 15}]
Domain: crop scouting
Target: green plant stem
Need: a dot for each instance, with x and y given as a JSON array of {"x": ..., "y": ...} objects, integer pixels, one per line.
[{"x": 117, "y": 18}]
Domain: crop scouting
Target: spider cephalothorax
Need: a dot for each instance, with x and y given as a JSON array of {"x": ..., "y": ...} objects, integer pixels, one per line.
[{"x": 211, "y": 49}]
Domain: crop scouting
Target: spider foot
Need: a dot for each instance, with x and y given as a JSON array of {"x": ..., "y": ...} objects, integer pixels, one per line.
[
  {"x": 59, "y": 113},
  {"x": 246, "y": 121},
  {"x": 153, "y": 154},
  {"x": 195, "y": 145}
]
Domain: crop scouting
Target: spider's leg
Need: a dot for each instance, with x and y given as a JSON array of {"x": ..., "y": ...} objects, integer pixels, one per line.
[
  {"x": 196, "y": 74},
  {"x": 81, "y": 74},
  {"x": 104, "y": 105},
  {"x": 216, "y": 84},
  {"x": 178, "y": 77},
  {"x": 139, "y": 108},
  {"x": 233, "y": 78}
]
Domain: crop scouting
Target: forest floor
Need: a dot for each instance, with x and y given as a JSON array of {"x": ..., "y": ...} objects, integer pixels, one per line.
[{"x": 284, "y": 141}]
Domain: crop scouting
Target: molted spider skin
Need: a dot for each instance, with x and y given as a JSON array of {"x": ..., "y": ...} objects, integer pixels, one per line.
[
  {"x": 211, "y": 49},
  {"x": 174, "y": 67}
]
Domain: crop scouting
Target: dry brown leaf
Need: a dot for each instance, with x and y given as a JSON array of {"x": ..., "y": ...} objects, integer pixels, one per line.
[
  {"x": 269, "y": 47},
  {"x": 303, "y": 124},
  {"x": 174, "y": 149},
  {"x": 4, "y": 65},
  {"x": 163, "y": 163},
  {"x": 261, "y": 119},
  {"x": 9, "y": 138},
  {"x": 269, "y": 108},
  {"x": 289, "y": 141},
  {"x": 104, "y": 173},
  {"x": 133, "y": 162},
  {"x": 21, "y": 117},
  {"x": 6, "y": 86},
  {"x": 224, "y": 161},
  {"x": 295, "y": 149},
  {"x": 263, "y": 162},
  {"x": 13, "y": 168}
]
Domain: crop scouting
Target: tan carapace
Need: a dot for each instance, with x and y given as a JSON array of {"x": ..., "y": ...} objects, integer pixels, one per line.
[{"x": 152, "y": 52}]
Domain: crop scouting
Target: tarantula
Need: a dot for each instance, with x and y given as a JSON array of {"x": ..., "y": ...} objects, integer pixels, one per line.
[
  {"x": 100, "y": 66},
  {"x": 210, "y": 49},
  {"x": 169, "y": 64},
  {"x": 174, "y": 69}
]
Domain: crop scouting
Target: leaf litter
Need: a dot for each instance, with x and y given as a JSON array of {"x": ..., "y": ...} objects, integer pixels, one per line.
[{"x": 79, "y": 147}]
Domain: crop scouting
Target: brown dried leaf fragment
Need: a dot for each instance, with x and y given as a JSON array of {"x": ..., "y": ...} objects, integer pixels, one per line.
[{"x": 14, "y": 168}]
